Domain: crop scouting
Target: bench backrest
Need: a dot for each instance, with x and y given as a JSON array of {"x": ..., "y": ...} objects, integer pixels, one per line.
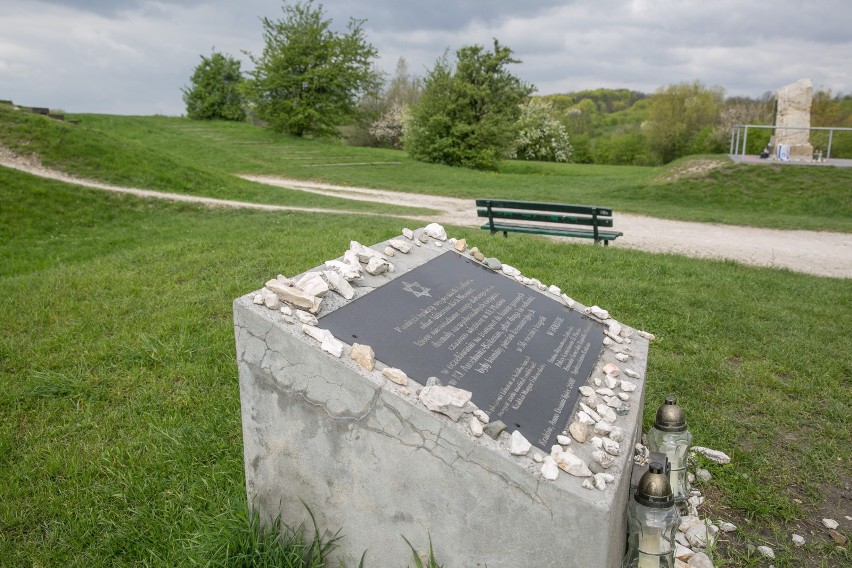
[{"x": 543, "y": 212}]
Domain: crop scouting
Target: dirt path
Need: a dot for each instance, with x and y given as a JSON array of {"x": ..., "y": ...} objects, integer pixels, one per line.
[
  {"x": 823, "y": 254},
  {"x": 820, "y": 253}
]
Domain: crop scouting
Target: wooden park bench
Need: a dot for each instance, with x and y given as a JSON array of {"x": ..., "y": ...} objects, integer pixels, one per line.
[{"x": 582, "y": 221}]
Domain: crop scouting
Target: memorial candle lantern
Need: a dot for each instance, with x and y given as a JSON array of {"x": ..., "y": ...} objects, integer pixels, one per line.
[
  {"x": 670, "y": 436},
  {"x": 652, "y": 521}
]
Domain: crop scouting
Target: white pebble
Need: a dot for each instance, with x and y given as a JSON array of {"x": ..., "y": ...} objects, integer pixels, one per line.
[{"x": 830, "y": 524}]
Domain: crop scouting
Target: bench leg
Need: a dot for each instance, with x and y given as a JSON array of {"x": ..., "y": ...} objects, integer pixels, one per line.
[
  {"x": 606, "y": 243},
  {"x": 505, "y": 234}
]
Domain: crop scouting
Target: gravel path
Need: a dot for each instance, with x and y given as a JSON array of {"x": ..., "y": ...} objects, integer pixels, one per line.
[
  {"x": 813, "y": 252},
  {"x": 820, "y": 253}
]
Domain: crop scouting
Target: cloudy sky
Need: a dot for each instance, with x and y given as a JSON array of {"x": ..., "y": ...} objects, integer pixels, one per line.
[{"x": 133, "y": 56}]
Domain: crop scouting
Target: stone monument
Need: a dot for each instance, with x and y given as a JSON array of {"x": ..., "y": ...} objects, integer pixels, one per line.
[
  {"x": 793, "y": 109},
  {"x": 417, "y": 388}
]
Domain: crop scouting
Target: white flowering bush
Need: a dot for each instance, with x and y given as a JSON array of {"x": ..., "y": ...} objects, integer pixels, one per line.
[
  {"x": 540, "y": 136},
  {"x": 389, "y": 128}
]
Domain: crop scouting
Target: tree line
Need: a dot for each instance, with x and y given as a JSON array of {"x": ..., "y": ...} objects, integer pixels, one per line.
[{"x": 469, "y": 110}]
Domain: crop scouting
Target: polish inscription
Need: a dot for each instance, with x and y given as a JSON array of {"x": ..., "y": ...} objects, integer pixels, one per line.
[{"x": 522, "y": 354}]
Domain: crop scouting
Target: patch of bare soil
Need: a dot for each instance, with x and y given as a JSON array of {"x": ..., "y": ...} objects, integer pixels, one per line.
[{"x": 691, "y": 168}]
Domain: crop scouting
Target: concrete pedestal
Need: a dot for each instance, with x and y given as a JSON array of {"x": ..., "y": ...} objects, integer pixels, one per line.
[{"x": 369, "y": 459}]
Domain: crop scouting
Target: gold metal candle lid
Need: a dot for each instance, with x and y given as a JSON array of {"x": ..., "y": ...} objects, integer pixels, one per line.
[
  {"x": 654, "y": 489},
  {"x": 670, "y": 417}
]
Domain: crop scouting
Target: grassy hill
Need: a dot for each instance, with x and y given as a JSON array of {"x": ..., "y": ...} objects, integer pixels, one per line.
[
  {"x": 200, "y": 158},
  {"x": 120, "y": 439}
]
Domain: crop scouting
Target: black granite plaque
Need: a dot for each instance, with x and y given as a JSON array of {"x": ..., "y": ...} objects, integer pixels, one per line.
[{"x": 522, "y": 354}]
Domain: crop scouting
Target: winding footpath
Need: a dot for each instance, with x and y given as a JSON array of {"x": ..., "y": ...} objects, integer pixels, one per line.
[{"x": 812, "y": 252}]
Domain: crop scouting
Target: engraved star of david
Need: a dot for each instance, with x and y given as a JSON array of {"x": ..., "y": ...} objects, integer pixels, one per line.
[{"x": 416, "y": 289}]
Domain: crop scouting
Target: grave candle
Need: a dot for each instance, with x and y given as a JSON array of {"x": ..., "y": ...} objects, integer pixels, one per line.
[
  {"x": 652, "y": 520},
  {"x": 671, "y": 437}
]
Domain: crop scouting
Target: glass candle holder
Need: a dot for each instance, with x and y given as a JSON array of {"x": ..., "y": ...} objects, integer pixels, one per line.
[
  {"x": 652, "y": 520},
  {"x": 671, "y": 437}
]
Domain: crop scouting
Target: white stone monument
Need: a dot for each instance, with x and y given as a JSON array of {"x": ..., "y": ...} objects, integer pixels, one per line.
[{"x": 793, "y": 110}]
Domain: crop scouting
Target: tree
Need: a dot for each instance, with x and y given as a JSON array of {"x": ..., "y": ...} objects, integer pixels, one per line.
[
  {"x": 215, "y": 90},
  {"x": 682, "y": 118},
  {"x": 539, "y": 135},
  {"x": 466, "y": 114},
  {"x": 389, "y": 113},
  {"x": 309, "y": 79}
]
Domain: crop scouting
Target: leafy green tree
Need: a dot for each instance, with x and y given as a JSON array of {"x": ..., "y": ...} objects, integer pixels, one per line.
[
  {"x": 467, "y": 113},
  {"x": 309, "y": 79},
  {"x": 540, "y": 136},
  {"x": 682, "y": 118},
  {"x": 215, "y": 89}
]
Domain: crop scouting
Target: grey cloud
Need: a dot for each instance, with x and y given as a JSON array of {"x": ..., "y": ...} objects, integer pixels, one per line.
[{"x": 133, "y": 56}]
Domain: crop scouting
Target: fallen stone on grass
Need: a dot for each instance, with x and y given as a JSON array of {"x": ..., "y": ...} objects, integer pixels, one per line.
[
  {"x": 830, "y": 524},
  {"x": 700, "y": 560},
  {"x": 766, "y": 551},
  {"x": 798, "y": 540},
  {"x": 837, "y": 537},
  {"x": 712, "y": 455}
]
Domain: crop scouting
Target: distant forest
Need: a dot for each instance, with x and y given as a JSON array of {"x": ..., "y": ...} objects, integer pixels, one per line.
[{"x": 620, "y": 126}]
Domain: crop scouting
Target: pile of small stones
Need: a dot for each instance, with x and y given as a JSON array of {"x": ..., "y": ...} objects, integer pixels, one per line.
[{"x": 298, "y": 301}]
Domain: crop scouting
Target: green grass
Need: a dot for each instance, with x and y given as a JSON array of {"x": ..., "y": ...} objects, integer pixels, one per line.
[
  {"x": 118, "y": 158},
  {"x": 201, "y": 158},
  {"x": 120, "y": 438},
  {"x": 783, "y": 196}
]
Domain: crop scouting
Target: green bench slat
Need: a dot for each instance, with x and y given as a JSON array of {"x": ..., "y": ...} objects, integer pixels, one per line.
[
  {"x": 539, "y": 206},
  {"x": 555, "y": 231},
  {"x": 538, "y": 212},
  {"x": 545, "y": 218}
]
